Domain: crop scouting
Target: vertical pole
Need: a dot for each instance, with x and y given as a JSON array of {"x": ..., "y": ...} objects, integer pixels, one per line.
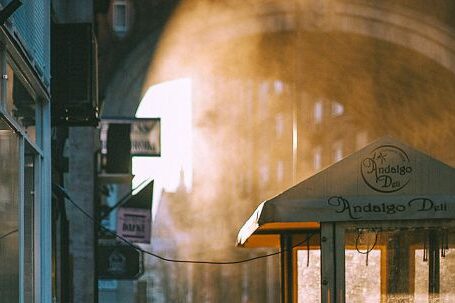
[
  {"x": 328, "y": 263},
  {"x": 433, "y": 267},
  {"x": 21, "y": 225},
  {"x": 286, "y": 269},
  {"x": 45, "y": 208},
  {"x": 339, "y": 254},
  {"x": 398, "y": 267}
]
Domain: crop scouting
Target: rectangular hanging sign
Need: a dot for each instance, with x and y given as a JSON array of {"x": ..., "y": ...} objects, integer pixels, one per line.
[
  {"x": 134, "y": 224},
  {"x": 145, "y": 137}
]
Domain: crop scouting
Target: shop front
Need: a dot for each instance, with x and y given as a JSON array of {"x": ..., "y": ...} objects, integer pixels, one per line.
[
  {"x": 378, "y": 226},
  {"x": 25, "y": 171}
]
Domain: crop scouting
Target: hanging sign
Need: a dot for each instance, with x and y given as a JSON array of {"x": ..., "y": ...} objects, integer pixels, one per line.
[
  {"x": 145, "y": 137},
  {"x": 119, "y": 261},
  {"x": 134, "y": 224}
]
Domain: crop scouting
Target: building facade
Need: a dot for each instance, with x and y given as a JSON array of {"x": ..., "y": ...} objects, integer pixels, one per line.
[
  {"x": 75, "y": 141},
  {"x": 48, "y": 95},
  {"x": 25, "y": 152}
]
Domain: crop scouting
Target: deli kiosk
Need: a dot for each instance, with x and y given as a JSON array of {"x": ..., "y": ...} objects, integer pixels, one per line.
[{"x": 378, "y": 226}]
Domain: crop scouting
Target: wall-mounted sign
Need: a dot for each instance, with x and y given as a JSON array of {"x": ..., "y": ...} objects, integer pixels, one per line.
[
  {"x": 140, "y": 136},
  {"x": 145, "y": 137},
  {"x": 386, "y": 169},
  {"x": 118, "y": 261},
  {"x": 134, "y": 224},
  {"x": 134, "y": 216}
]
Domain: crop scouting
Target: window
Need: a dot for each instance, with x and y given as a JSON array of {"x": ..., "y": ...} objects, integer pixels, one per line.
[
  {"x": 19, "y": 102},
  {"x": 245, "y": 181},
  {"x": 120, "y": 16},
  {"x": 264, "y": 174},
  {"x": 263, "y": 89},
  {"x": 317, "y": 158},
  {"x": 22, "y": 154},
  {"x": 280, "y": 171},
  {"x": 400, "y": 264},
  {"x": 278, "y": 86},
  {"x": 309, "y": 275},
  {"x": 263, "y": 94},
  {"x": 337, "y": 109},
  {"x": 375, "y": 262},
  {"x": 9, "y": 209},
  {"x": 318, "y": 112},
  {"x": 279, "y": 125},
  {"x": 307, "y": 256},
  {"x": 337, "y": 151},
  {"x": 361, "y": 139}
]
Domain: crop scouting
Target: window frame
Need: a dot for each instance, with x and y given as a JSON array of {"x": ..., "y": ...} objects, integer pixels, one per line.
[
  {"x": 340, "y": 228},
  {"x": 120, "y": 29},
  {"x": 40, "y": 220}
]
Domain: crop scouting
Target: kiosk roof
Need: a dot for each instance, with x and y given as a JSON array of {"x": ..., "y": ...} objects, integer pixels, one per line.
[{"x": 386, "y": 180}]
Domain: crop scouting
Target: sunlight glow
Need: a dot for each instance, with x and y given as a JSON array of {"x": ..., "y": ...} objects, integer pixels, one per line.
[{"x": 170, "y": 101}]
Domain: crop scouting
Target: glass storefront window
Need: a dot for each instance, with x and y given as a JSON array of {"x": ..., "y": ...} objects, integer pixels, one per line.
[
  {"x": 25, "y": 180},
  {"x": 447, "y": 273},
  {"x": 308, "y": 270},
  {"x": 309, "y": 275},
  {"x": 19, "y": 103},
  {"x": 402, "y": 264},
  {"x": 15, "y": 224},
  {"x": 363, "y": 280},
  {"x": 446, "y": 268},
  {"x": 9, "y": 220}
]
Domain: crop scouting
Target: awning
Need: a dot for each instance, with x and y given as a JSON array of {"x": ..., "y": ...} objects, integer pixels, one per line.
[
  {"x": 143, "y": 199},
  {"x": 387, "y": 180}
]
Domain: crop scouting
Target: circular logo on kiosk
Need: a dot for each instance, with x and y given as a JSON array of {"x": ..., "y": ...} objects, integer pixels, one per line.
[{"x": 387, "y": 169}]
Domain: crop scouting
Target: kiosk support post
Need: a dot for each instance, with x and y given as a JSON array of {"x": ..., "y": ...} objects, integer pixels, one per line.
[
  {"x": 286, "y": 269},
  {"x": 328, "y": 263},
  {"x": 433, "y": 267}
]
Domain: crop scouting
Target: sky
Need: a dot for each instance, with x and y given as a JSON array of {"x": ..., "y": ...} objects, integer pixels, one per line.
[{"x": 171, "y": 102}]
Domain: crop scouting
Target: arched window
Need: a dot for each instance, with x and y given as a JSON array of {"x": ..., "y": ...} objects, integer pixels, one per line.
[{"x": 120, "y": 20}]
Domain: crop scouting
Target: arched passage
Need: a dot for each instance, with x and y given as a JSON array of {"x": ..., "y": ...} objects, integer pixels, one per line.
[{"x": 192, "y": 38}]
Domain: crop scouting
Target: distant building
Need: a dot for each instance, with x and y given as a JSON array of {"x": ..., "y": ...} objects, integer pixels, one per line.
[{"x": 171, "y": 234}]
